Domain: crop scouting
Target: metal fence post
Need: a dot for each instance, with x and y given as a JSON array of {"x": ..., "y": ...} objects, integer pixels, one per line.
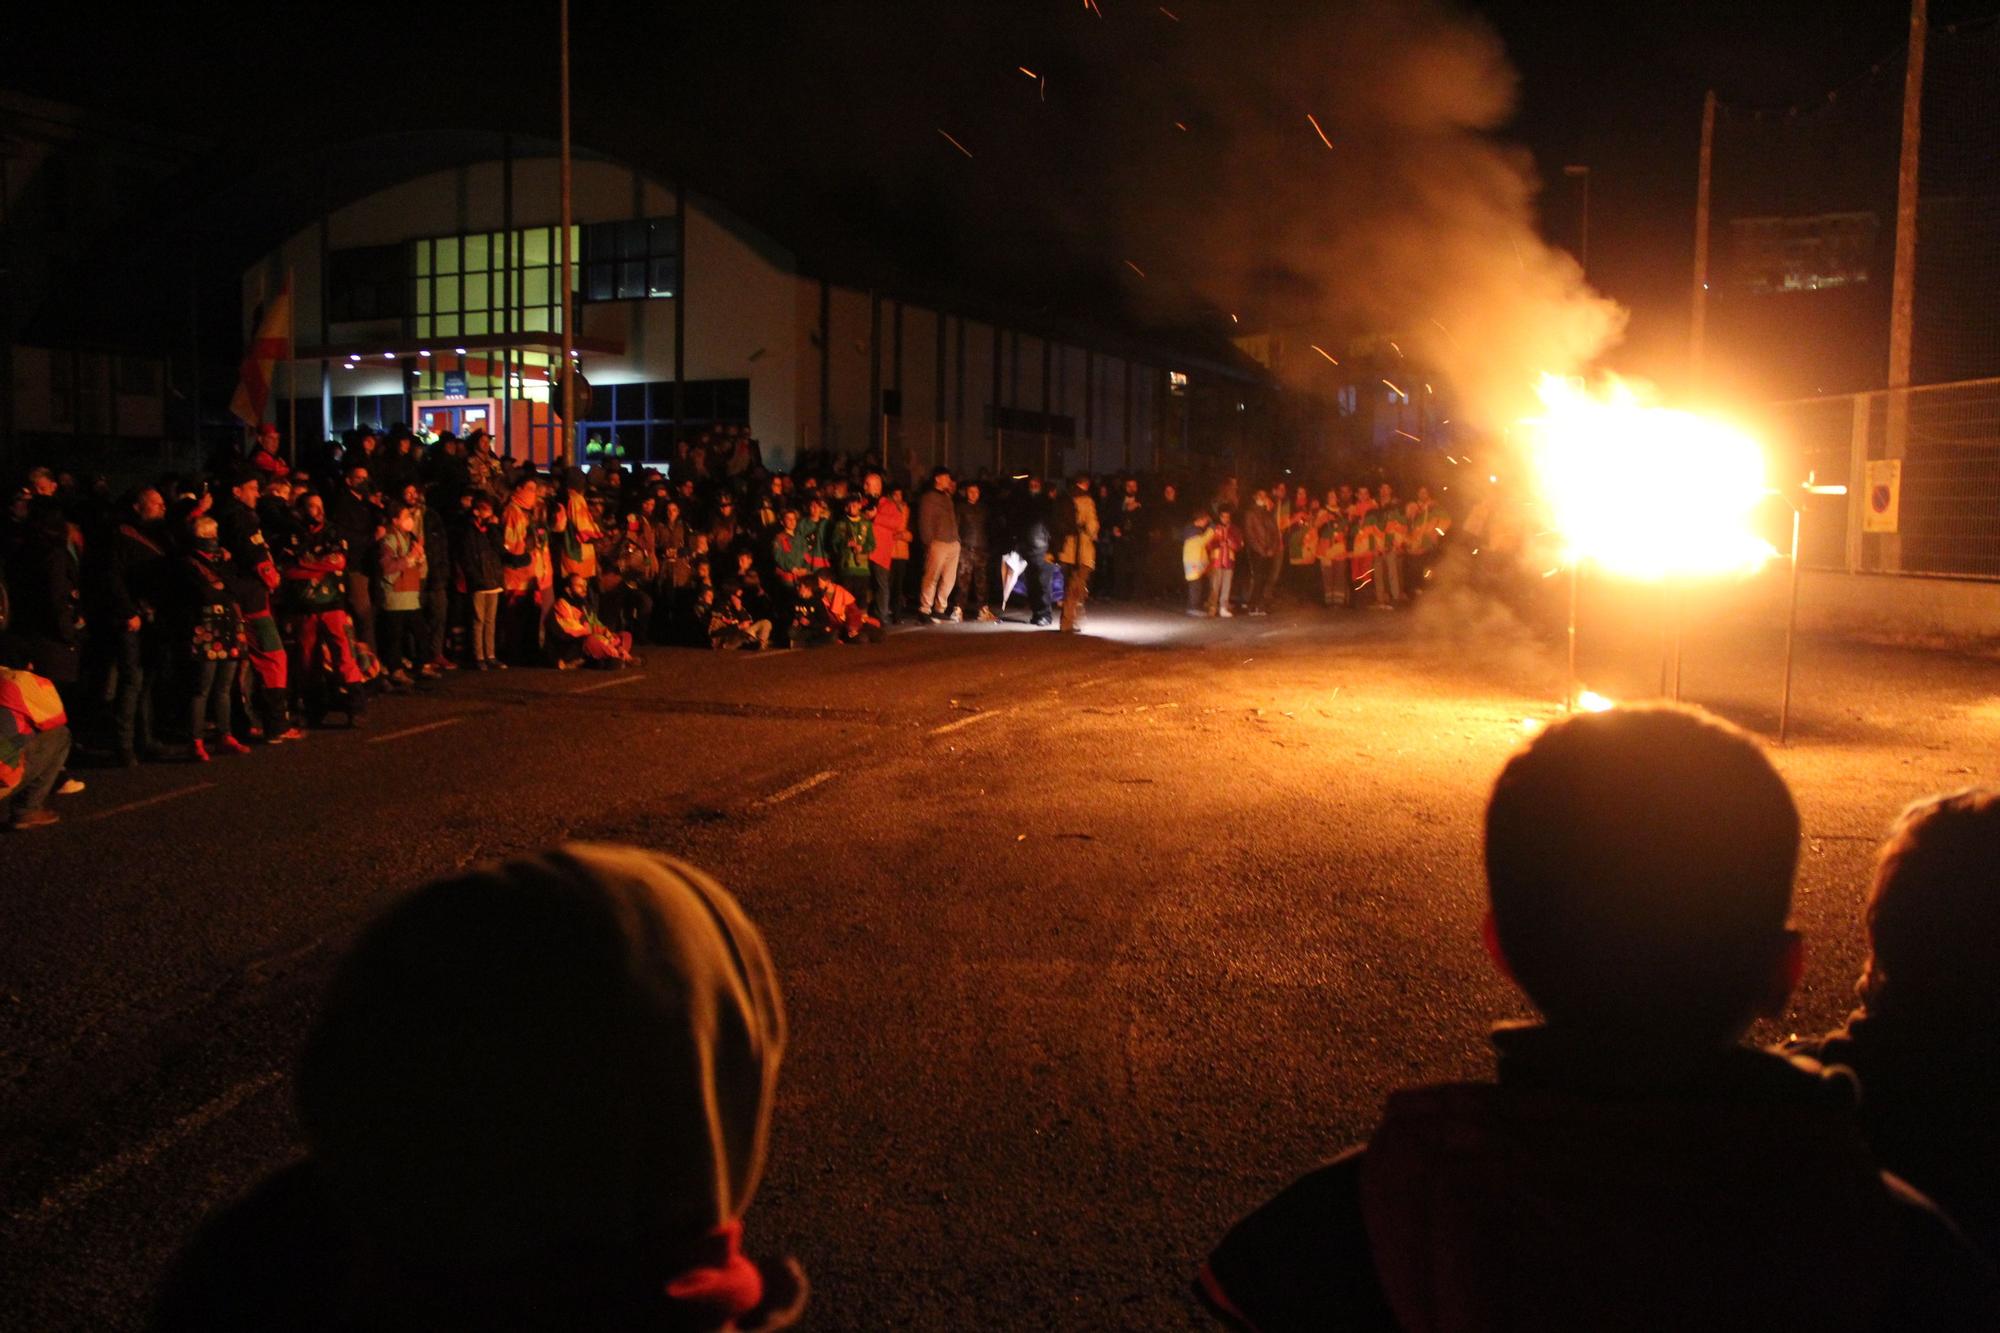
[{"x": 1857, "y": 480}]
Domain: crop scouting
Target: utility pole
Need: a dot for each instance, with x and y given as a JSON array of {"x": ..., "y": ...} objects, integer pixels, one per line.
[
  {"x": 1903, "y": 289},
  {"x": 1698, "y": 338},
  {"x": 562, "y": 448}
]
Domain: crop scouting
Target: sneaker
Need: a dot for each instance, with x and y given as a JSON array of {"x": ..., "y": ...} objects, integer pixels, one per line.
[
  {"x": 198, "y": 753},
  {"x": 288, "y": 734},
  {"x": 482, "y": 665},
  {"x": 70, "y": 787},
  {"x": 429, "y": 671},
  {"x": 27, "y": 819},
  {"x": 567, "y": 665},
  {"x": 1226, "y": 613},
  {"x": 231, "y": 745},
  {"x": 496, "y": 664},
  {"x": 986, "y": 615},
  {"x": 957, "y": 615}
]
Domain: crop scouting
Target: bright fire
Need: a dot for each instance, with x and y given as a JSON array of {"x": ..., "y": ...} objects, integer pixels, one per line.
[
  {"x": 1590, "y": 701},
  {"x": 1646, "y": 492}
]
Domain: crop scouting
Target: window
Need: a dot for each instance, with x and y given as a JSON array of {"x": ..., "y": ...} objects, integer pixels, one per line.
[
  {"x": 635, "y": 422},
  {"x": 459, "y": 286},
  {"x": 631, "y": 260},
  {"x": 368, "y": 282},
  {"x": 1803, "y": 254}
]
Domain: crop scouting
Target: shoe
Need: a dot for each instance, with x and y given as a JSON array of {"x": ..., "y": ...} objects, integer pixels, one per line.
[
  {"x": 231, "y": 745},
  {"x": 482, "y": 665},
  {"x": 567, "y": 665},
  {"x": 1225, "y": 613},
  {"x": 986, "y": 615},
  {"x": 497, "y": 664},
  {"x": 1260, "y": 611},
  {"x": 288, "y": 734},
  {"x": 69, "y": 787},
  {"x": 429, "y": 672},
  {"x": 27, "y": 819},
  {"x": 198, "y": 752}
]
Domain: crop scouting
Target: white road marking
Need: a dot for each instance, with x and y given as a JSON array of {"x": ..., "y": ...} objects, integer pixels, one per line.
[
  {"x": 141, "y": 1154},
  {"x": 966, "y": 721},
  {"x": 609, "y": 684},
  {"x": 1086, "y": 684},
  {"x": 796, "y": 789},
  {"x": 130, "y": 806},
  {"x": 414, "y": 731},
  {"x": 765, "y": 655}
]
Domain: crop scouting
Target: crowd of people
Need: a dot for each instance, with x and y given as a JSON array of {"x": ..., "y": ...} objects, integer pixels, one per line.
[
  {"x": 199, "y": 614},
  {"x": 539, "y": 1096}
]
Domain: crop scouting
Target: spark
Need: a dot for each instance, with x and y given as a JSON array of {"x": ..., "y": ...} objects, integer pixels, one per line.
[
  {"x": 956, "y": 144},
  {"x": 1323, "y": 352},
  {"x": 1406, "y": 435},
  {"x": 1044, "y": 87},
  {"x": 1170, "y": 14},
  {"x": 1392, "y": 347},
  {"x": 1181, "y": 125},
  {"x": 1091, "y": 5},
  {"x": 1025, "y": 70},
  {"x": 1398, "y": 392},
  {"x": 1135, "y": 268},
  {"x": 1590, "y": 701},
  {"x": 1317, "y": 130},
  {"x": 1234, "y": 320}
]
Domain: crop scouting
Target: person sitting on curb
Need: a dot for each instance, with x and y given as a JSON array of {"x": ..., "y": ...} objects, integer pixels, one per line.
[{"x": 1634, "y": 1165}]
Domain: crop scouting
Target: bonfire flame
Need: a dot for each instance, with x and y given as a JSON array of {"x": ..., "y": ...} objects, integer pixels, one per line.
[{"x": 1646, "y": 492}]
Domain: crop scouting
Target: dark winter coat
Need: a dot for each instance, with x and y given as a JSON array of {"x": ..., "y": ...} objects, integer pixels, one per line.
[
  {"x": 476, "y": 556},
  {"x": 1594, "y": 1191}
]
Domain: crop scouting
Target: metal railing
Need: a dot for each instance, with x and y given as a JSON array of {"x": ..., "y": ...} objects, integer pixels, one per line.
[{"x": 1946, "y": 438}]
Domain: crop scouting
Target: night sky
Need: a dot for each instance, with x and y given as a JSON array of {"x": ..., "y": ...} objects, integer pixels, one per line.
[{"x": 823, "y": 120}]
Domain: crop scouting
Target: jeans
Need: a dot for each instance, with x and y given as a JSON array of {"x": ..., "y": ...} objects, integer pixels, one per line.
[
  {"x": 940, "y": 571},
  {"x": 485, "y": 620},
  {"x": 212, "y": 696},
  {"x": 401, "y": 634},
  {"x": 1389, "y": 587},
  {"x": 434, "y": 600},
  {"x": 1197, "y": 593},
  {"x": 1263, "y": 580},
  {"x": 132, "y": 706},
  {"x": 1218, "y": 589},
  {"x": 884, "y": 606},
  {"x": 973, "y": 588},
  {"x": 42, "y": 760},
  {"x": 1333, "y": 582}
]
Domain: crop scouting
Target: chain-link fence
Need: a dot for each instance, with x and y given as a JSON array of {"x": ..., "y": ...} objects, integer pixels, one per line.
[{"x": 1939, "y": 504}]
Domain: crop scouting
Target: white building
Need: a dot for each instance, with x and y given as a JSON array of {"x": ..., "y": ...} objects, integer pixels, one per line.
[{"x": 437, "y": 299}]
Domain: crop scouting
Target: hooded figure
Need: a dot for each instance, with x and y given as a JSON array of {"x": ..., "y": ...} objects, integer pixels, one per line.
[{"x": 538, "y": 1098}]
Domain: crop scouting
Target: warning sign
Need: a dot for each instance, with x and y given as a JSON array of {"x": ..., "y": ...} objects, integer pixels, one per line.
[{"x": 1884, "y": 495}]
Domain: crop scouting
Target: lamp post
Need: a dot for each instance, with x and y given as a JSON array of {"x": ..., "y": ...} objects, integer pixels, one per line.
[{"x": 568, "y": 366}]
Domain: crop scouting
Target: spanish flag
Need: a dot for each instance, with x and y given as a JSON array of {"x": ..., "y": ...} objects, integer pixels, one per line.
[{"x": 271, "y": 342}]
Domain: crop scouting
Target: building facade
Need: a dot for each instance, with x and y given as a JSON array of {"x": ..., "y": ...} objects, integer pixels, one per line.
[{"x": 437, "y": 301}]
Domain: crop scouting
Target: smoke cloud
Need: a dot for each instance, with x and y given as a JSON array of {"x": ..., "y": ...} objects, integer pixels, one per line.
[{"x": 1417, "y": 223}]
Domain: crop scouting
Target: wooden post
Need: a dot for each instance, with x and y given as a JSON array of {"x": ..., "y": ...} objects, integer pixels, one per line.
[{"x": 1903, "y": 288}]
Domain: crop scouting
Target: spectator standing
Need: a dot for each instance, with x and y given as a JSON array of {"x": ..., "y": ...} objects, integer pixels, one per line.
[
  {"x": 354, "y": 514},
  {"x": 403, "y": 567},
  {"x": 892, "y": 528},
  {"x": 937, "y": 528},
  {"x": 972, "y": 589},
  {"x": 1335, "y": 580},
  {"x": 479, "y": 564},
  {"x": 526, "y": 571},
  {"x": 132, "y": 595},
  {"x": 1395, "y": 541},
  {"x": 852, "y": 543},
  {"x": 435, "y": 593},
  {"x": 1263, "y": 552},
  {"x": 1195, "y": 562},
  {"x": 242, "y": 533},
  {"x": 1078, "y": 554},
  {"x": 1225, "y": 543},
  {"x": 209, "y": 615}
]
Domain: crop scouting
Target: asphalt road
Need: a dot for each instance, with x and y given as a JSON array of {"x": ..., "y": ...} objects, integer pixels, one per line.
[{"x": 1089, "y": 944}]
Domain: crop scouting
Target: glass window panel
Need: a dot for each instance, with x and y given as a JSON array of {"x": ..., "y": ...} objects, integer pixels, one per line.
[
  {"x": 423, "y": 326},
  {"x": 632, "y": 240},
  {"x": 446, "y": 258},
  {"x": 423, "y": 296},
  {"x": 447, "y": 295},
  {"x": 480, "y": 322},
  {"x": 447, "y": 326},
  {"x": 597, "y": 283},
  {"x": 478, "y": 291},
  {"x": 423, "y": 257},
  {"x": 535, "y": 246},
  {"x": 660, "y": 281},
  {"x": 535, "y": 287},
  {"x": 478, "y": 253},
  {"x": 631, "y": 279}
]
